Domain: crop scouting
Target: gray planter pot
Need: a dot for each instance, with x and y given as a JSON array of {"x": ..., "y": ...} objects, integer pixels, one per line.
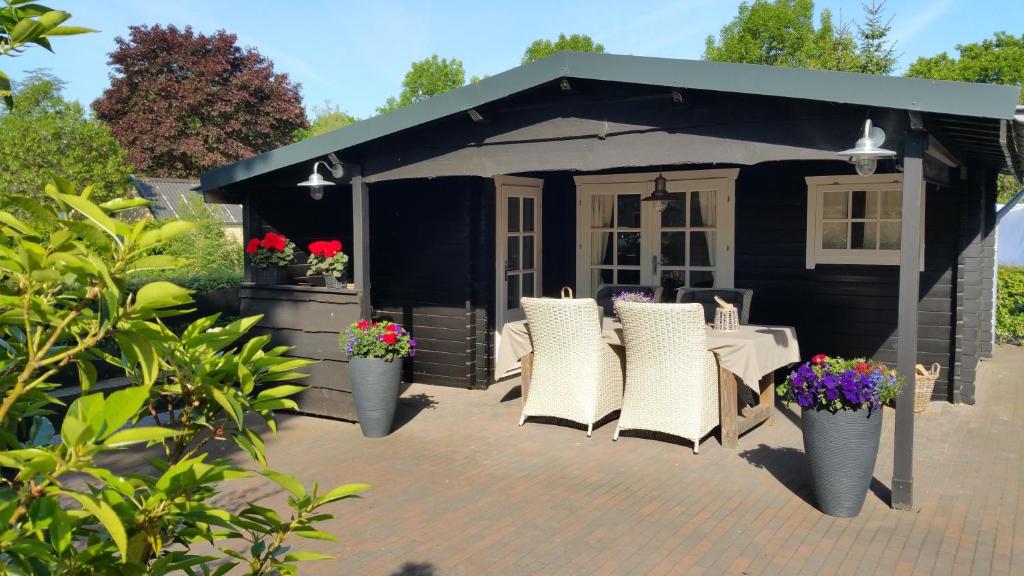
[
  {"x": 375, "y": 385},
  {"x": 269, "y": 276},
  {"x": 841, "y": 450},
  {"x": 333, "y": 282}
]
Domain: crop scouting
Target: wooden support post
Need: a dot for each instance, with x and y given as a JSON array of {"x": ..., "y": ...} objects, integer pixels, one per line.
[
  {"x": 727, "y": 408},
  {"x": 906, "y": 332},
  {"x": 361, "y": 240}
]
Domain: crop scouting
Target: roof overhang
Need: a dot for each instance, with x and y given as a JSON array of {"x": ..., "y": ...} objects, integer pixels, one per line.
[{"x": 992, "y": 104}]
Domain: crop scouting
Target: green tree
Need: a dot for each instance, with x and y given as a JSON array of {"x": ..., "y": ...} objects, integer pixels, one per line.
[
  {"x": 326, "y": 117},
  {"x": 997, "y": 60},
  {"x": 426, "y": 78},
  {"x": 543, "y": 48},
  {"x": 22, "y": 24},
  {"x": 877, "y": 52},
  {"x": 44, "y": 134},
  {"x": 782, "y": 33}
]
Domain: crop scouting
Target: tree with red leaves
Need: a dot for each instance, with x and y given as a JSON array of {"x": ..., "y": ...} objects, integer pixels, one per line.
[{"x": 182, "y": 102}]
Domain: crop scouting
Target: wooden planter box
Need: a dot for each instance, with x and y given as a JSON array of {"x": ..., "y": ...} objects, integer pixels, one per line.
[{"x": 309, "y": 319}]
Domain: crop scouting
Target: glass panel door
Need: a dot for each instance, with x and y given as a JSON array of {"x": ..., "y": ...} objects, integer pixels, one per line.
[
  {"x": 518, "y": 244},
  {"x": 685, "y": 240},
  {"x": 615, "y": 235}
]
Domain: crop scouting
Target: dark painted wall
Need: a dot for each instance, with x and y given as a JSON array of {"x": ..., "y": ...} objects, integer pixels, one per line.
[
  {"x": 429, "y": 272},
  {"x": 309, "y": 320},
  {"x": 847, "y": 310}
]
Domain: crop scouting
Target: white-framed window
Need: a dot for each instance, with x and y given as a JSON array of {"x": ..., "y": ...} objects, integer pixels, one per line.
[
  {"x": 623, "y": 240},
  {"x": 856, "y": 219}
]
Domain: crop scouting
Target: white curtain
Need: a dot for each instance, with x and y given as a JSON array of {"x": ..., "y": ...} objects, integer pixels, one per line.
[{"x": 709, "y": 215}]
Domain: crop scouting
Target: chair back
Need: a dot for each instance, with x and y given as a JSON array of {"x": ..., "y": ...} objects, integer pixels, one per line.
[
  {"x": 605, "y": 293},
  {"x": 739, "y": 297},
  {"x": 566, "y": 336},
  {"x": 666, "y": 368}
]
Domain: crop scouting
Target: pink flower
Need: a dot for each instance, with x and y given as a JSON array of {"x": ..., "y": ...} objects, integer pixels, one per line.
[{"x": 818, "y": 359}]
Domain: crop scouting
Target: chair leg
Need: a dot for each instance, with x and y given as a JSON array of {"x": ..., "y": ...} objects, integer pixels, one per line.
[
  {"x": 590, "y": 429},
  {"x": 522, "y": 420},
  {"x": 696, "y": 446},
  {"x": 615, "y": 436}
]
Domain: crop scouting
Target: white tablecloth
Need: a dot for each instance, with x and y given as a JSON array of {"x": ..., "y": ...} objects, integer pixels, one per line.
[{"x": 749, "y": 353}]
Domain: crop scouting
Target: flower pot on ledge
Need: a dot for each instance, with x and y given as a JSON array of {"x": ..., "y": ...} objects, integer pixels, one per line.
[{"x": 269, "y": 276}]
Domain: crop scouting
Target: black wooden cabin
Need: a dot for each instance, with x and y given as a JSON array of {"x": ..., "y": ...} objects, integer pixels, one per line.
[{"x": 442, "y": 201}]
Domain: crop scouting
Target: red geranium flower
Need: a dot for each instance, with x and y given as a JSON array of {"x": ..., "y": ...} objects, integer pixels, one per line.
[
  {"x": 818, "y": 359},
  {"x": 253, "y": 246},
  {"x": 862, "y": 368},
  {"x": 363, "y": 324},
  {"x": 390, "y": 338},
  {"x": 389, "y": 328}
]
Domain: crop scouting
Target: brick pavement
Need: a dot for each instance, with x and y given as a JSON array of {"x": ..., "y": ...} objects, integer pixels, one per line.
[{"x": 460, "y": 490}]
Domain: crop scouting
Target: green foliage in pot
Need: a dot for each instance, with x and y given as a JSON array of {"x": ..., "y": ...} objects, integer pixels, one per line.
[
  {"x": 326, "y": 257},
  {"x": 385, "y": 340},
  {"x": 65, "y": 306}
]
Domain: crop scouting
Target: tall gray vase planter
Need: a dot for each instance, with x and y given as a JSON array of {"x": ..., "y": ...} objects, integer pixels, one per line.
[
  {"x": 375, "y": 385},
  {"x": 841, "y": 450}
]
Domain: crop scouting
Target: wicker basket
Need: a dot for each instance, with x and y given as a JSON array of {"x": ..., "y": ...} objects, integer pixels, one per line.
[
  {"x": 727, "y": 319},
  {"x": 924, "y": 386}
]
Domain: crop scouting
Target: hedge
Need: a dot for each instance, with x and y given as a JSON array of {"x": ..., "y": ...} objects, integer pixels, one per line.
[{"x": 1010, "y": 305}]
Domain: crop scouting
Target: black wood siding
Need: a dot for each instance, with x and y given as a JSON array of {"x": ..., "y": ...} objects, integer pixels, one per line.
[
  {"x": 309, "y": 320},
  {"x": 847, "y": 310},
  {"x": 432, "y": 271}
]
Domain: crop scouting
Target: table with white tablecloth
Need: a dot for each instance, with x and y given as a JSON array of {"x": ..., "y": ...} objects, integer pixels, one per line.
[{"x": 751, "y": 354}]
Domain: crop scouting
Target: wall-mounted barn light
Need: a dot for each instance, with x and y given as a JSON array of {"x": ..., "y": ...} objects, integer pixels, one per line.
[
  {"x": 868, "y": 150},
  {"x": 660, "y": 195},
  {"x": 316, "y": 182}
]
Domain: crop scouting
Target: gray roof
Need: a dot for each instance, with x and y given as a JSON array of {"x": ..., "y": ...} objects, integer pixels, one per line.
[
  {"x": 167, "y": 197},
  {"x": 993, "y": 104}
]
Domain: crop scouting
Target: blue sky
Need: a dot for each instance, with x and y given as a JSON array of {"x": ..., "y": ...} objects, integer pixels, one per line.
[{"x": 355, "y": 54}]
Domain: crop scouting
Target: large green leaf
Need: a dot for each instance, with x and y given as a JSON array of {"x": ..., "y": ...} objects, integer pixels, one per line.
[
  {"x": 286, "y": 481},
  {"x": 304, "y": 555},
  {"x": 230, "y": 405},
  {"x": 161, "y": 294},
  {"x": 156, "y": 262},
  {"x": 139, "y": 434},
  {"x": 122, "y": 405},
  {"x": 342, "y": 492},
  {"x": 94, "y": 213},
  {"x": 106, "y": 516}
]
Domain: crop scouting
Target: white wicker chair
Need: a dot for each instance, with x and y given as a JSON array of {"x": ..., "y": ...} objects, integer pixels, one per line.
[
  {"x": 671, "y": 378},
  {"x": 576, "y": 375}
]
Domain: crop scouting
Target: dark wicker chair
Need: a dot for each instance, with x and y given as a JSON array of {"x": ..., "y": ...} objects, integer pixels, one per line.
[
  {"x": 605, "y": 293},
  {"x": 739, "y": 297}
]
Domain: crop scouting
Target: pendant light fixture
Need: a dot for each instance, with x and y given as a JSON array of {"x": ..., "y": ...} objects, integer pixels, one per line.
[
  {"x": 316, "y": 182},
  {"x": 868, "y": 150},
  {"x": 660, "y": 195}
]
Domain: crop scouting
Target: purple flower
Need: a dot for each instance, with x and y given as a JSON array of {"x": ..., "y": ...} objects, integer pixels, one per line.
[{"x": 412, "y": 342}]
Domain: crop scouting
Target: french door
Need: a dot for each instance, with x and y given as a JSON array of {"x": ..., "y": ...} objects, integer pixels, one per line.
[
  {"x": 518, "y": 244},
  {"x": 623, "y": 240}
]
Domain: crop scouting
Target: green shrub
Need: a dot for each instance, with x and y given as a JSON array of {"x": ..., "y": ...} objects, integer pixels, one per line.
[
  {"x": 207, "y": 249},
  {"x": 1010, "y": 304},
  {"x": 207, "y": 282}
]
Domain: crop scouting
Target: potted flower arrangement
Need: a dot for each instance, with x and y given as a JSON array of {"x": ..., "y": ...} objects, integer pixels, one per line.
[
  {"x": 269, "y": 256},
  {"x": 841, "y": 404},
  {"x": 630, "y": 296},
  {"x": 327, "y": 259},
  {"x": 375, "y": 350}
]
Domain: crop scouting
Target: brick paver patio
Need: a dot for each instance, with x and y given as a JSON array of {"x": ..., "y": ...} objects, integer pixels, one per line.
[{"x": 459, "y": 489}]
